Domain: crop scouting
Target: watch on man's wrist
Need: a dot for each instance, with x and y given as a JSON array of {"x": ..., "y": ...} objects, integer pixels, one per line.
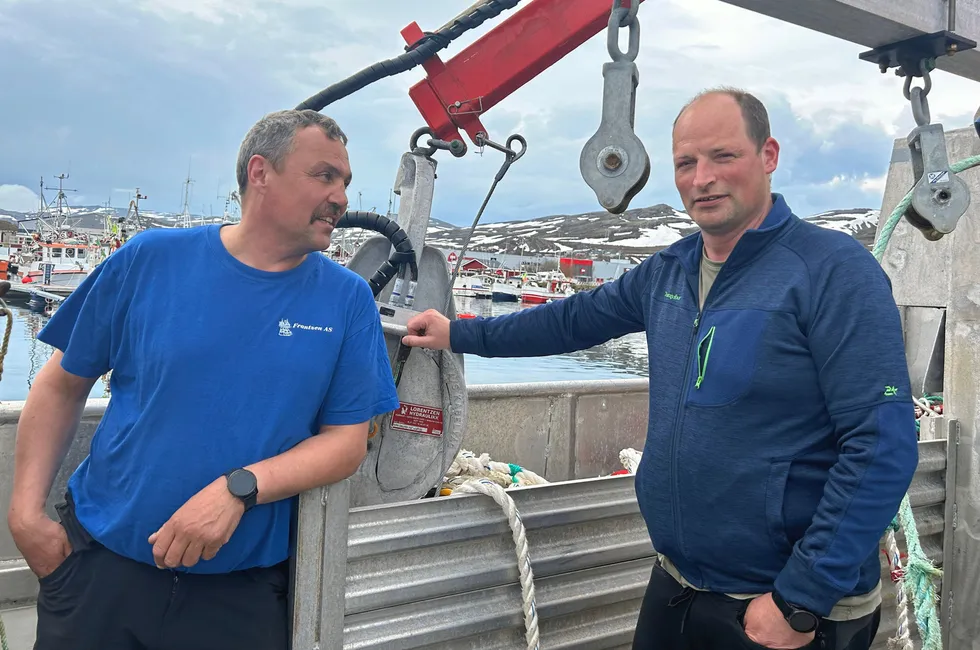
[
  {"x": 798, "y": 618},
  {"x": 242, "y": 485}
]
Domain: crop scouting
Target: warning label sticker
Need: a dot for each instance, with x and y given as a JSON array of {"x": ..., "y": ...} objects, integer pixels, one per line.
[
  {"x": 417, "y": 418},
  {"x": 938, "y": 177}
]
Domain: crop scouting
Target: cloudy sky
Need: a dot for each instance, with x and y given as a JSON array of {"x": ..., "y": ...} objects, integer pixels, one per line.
[{"x": 132, "y": 93}]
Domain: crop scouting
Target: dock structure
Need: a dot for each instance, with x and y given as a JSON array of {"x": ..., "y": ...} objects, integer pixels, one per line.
[
  {"x": 29, "y": 290},
  {"x": 49, "y": 292}
]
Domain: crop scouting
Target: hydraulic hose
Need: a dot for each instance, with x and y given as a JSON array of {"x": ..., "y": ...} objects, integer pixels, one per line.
[
  {"x": 415, "y": 55},
  {"x": 404, "y": 252}
]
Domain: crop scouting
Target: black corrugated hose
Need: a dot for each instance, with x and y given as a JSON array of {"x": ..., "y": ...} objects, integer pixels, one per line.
[
  {"x": 427, "y": 46},
  {"x": 404, "y": 252}
]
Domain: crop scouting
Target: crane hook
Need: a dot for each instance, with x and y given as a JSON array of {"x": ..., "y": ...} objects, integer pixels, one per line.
[{"x": 614, "y": 162}]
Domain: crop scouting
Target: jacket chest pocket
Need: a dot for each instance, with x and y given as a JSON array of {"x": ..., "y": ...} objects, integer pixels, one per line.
[{"x": 726, "y": 356}]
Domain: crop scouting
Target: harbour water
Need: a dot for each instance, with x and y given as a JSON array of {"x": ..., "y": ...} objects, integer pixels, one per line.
[{"x": 624, "y": 358}]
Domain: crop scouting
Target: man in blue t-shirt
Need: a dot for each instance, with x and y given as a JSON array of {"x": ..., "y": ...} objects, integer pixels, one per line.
[{"x": 245, "y": 368}]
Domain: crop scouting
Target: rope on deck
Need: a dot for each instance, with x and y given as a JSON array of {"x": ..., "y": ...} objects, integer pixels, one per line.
[
  {"x": 474, "y": 474},
  {"x": 499, "y": 494},
  {"x": 468, "y": 466},
  {"x": 903, "y": 639}
]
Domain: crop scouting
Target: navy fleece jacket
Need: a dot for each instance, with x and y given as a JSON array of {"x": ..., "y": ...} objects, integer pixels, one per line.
[{"x": 781, "y": 436}]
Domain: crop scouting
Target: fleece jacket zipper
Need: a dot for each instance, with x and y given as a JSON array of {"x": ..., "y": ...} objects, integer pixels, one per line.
[
  {"x": 703, "y": 363},
  {"x": 681, "y": 410},
  {"x": 678, "y": 426}
]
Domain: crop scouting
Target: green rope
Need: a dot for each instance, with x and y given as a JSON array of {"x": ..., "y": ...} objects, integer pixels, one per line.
[
  {"x": 919, "y": 571},
  {"x": 3, "y": 635},
  {"x": 886, "y": 231}
]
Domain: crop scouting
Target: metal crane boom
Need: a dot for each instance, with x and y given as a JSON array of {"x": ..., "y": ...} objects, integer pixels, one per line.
[
  {"x": 529, "y": 41},
  {"x": 541, "y": 32}
]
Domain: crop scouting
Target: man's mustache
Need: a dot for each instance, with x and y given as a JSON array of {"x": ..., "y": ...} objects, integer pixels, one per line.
[{"x": 331, "y": 211}]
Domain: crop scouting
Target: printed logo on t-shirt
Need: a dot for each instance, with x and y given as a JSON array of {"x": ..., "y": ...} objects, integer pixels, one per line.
[{"x": 286, "y": 328}]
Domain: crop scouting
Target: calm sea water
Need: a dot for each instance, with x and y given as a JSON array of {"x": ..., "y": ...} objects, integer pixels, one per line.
[{"x": 620, "y": 358}]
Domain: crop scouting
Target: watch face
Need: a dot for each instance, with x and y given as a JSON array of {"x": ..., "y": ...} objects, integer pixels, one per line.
[
  {"x": 803, "y": 622},
  {"x": 241, "y": 483}
]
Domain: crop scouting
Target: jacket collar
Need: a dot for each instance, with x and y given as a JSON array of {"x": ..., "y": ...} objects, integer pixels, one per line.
[{"x": 749, "y": 245}]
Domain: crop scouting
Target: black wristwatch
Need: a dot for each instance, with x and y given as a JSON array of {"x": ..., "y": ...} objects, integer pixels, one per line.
[
  {"x": 798, "y": 618},
  {"x": 242, "y": 484}
]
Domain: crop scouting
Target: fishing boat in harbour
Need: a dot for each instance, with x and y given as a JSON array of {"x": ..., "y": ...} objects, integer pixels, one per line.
[
  {"x": 506, "y": 290},
  {"x": 552, "y": 286},
  {"x": 470, "y": 286}
]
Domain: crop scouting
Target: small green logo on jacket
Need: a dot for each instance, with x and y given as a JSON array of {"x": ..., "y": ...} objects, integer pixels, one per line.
[
  {"x": 891, "y": 391},
  {"x": 671, "y": 296}
]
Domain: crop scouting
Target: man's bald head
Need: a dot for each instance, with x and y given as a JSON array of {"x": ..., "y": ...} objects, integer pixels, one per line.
[{"x": 754, "y": 114}]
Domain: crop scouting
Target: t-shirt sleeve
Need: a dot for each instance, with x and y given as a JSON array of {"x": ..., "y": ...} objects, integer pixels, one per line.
[
  {"x": 362, "y": 385},
  {"x": 83, "y": 325}
]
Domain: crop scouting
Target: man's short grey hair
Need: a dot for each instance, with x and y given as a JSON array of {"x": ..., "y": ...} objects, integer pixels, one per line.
[
  {"x": 753, "y": 112},
  {"x": 272, "y": 137}
]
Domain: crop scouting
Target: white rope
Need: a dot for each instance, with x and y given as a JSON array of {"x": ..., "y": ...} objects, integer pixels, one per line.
[
  {"x": 499, "y": 494},
  {"x": 630, "y": 458},
  {"x": 925, "y": 406},
  {"x": 903, "y": 639},
  {"x": 468, "y": 465}
]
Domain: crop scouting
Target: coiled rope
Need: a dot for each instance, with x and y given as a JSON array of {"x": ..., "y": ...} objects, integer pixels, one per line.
[{"x": 468, "y": 466}]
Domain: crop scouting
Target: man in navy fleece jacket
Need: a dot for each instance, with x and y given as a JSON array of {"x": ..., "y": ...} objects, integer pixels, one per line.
[{"x": 781, "y": 436}]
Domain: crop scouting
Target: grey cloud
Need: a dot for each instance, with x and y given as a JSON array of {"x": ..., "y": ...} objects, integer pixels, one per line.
[{"x": 144, "y": 92}]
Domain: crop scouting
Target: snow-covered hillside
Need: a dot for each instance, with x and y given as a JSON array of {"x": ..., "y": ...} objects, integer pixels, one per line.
[{"x": 635, "y": 232}]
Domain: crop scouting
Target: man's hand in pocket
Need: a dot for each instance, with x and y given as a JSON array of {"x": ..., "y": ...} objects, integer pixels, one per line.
[{"x": 42, "y": 542}]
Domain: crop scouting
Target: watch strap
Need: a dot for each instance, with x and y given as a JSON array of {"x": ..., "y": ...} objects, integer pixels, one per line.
[
  {"x": 801, "y": 620},
  {"x": 249, "y": 498}
]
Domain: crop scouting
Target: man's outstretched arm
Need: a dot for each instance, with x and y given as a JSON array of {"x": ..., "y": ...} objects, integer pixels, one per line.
[{"x": 581, "y": 321}]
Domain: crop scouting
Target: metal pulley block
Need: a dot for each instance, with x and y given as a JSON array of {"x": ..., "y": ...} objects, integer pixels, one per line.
[
  {"x": 614, "y": 162},
  {"x": 939, "y": 197},
  {"x": 410, "y": 450}
]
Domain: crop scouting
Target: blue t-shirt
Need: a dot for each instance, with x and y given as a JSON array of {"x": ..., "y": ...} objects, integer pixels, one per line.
[{"x": 215, "y": 365}]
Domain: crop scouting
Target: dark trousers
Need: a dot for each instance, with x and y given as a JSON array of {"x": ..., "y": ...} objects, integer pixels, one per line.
[
  {"x": 98, "y": 600},
  {"x": 673, "y": 617}
]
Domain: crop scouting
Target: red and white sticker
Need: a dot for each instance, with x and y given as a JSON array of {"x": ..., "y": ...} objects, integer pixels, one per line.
[{"x": 417, "y": 418}]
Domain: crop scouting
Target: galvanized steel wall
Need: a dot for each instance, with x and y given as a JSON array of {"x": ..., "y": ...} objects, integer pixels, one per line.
[
  {"x": 442, "y": 573},
  {"x": 560, "y": 430}
]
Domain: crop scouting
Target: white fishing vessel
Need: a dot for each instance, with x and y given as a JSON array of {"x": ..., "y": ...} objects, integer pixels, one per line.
[{"x": 470, "y": 286}]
